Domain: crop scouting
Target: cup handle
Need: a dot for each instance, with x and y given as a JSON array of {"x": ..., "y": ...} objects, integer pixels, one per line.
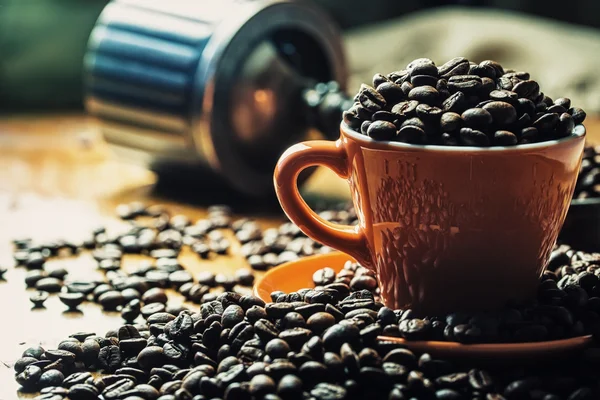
[{"x": 349, "y": 239}]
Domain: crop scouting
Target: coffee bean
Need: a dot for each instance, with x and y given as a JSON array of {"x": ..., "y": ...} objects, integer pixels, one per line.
[
  {"x": 364, "y": 127},
  {"x": 411, "y": 134},
  {"x": 290, "y": 387},
  {"x": 328, "y": 391},
  {"x": 456, "y": 66},
  {"x": 578, "y": 115},
  {"x": 448, "y": 394},
  {"x": 450, "y": 122},
  {"x": 521, "y": 388},
  {"x": 565, "y": 125},
  {"x": 83, "y": 391},
  {"x": 527, "y": 89},
  {"x": 232, "y": 315},
  {"x": 71, "y": 300},
  {"x": 338, "y": 334},
  {"x": 109, "y": 358},
  {"x": 111, "y": 300},
  {"x": 118, "y": 388},
  {"x": 424, "y": 94},
  {"x": 150, "y": 357},
  {"x": 38, "y": 298},
  {"x": 278, "y": 310},
  {"x": 456, "y": 103},
  {"x": 477, "y": 118},
  {"x": 51, "y": 377},
  {"x": 505, "y": 138},
  {"x": 50, "y": 285},
  {"x": 429, "y": 114},
  {"x": 244, "y": 277},
  {"x": 391, "y": 92},
  {"x": 506, "y": 96},
  {"x": 370, "y": 99},
  {"x": 502, "y": 113},
  {"x": 530, "y": 135},
  {"x": 320, "y": 321},
  {"x": 29, "y": 378},
  {"x": 35, "y": 260},
  {"x": 405, "y": 109},
  {"x": 381, "y": 130},
  {"x": 546, "y": 123},
  {"x": 473, "y": 137},
  {"x": 468, "y": 84},
  {"x": 295, "y": 337},
  {"x": 23, "y": 362},
  {"x": 483, "y": 70},
  {"x": 324, "y": 276}
]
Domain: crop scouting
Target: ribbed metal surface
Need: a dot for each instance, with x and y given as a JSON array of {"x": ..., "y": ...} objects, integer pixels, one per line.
[
  {"x": 153, "y": 67},
  {"x": 141, "y": 63}
]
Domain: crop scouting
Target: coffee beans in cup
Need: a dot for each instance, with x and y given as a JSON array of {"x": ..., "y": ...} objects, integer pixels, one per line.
[{"x": 460, "y": 103}]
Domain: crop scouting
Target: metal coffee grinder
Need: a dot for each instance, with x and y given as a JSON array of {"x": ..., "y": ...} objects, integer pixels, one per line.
[{"x": 216, "y": 88}]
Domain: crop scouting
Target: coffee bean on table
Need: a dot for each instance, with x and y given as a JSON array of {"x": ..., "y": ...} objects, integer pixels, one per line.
[
  {"x": 29, "y": 378},
  {"x": 324, "y": 276},
  {"x": 244, "y": 277},
  {"x": 38, "y": 298},
  {"x": 71, "y": 300},
  {"x": 111, "y": 300},
  {"x": 83, "y": 391},
  {"x": 50, "y": 285},
  {"x": 320, "y": 321},
  {"x": 51, "y": 377},
  {"x": 152, "y": 308}
]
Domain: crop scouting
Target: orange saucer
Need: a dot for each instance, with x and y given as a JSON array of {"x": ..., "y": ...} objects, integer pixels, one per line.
[{"x": 295, "y": 275}]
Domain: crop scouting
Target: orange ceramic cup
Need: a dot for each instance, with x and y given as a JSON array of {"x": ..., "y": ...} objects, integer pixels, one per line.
[{"x": 444, "y": 228}]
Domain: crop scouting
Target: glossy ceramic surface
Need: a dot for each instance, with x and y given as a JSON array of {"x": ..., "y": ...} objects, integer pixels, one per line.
[
  {"x": 297, "y": 274},
  {"x": 444, "y": 228}
]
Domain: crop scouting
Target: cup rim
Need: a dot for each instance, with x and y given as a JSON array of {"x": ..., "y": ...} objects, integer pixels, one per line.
[{"x": 577, "y": 133}]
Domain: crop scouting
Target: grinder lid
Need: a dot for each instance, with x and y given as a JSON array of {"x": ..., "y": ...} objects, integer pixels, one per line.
[{"x": 252, "y": 74}]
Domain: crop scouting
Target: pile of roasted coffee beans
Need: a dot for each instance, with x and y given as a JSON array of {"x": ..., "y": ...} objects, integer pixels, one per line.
[
  {"x": 460, "y": 103},
  {"x": 568, "y": 305},
  {"x": 317, "y": 343},
  {"x": 161, "y": 237},
  {"x": 588, "y": 181}
]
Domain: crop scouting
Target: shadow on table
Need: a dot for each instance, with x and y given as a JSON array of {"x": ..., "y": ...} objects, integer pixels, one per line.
[{"x": 203, "y": 190}]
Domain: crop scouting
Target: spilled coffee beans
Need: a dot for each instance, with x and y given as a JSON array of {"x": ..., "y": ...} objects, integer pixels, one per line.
[{"x": 316, "y": 343}]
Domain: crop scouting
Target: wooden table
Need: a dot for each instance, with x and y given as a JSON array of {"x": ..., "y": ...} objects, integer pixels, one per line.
[{"x": 58, "y": 180}]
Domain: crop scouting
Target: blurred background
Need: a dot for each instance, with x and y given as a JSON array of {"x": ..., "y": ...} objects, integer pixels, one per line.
[{"x": 42, "y": 43}]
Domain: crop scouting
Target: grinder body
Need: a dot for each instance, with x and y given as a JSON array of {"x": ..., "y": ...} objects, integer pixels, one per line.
[{"x": 210, "y": 88}]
